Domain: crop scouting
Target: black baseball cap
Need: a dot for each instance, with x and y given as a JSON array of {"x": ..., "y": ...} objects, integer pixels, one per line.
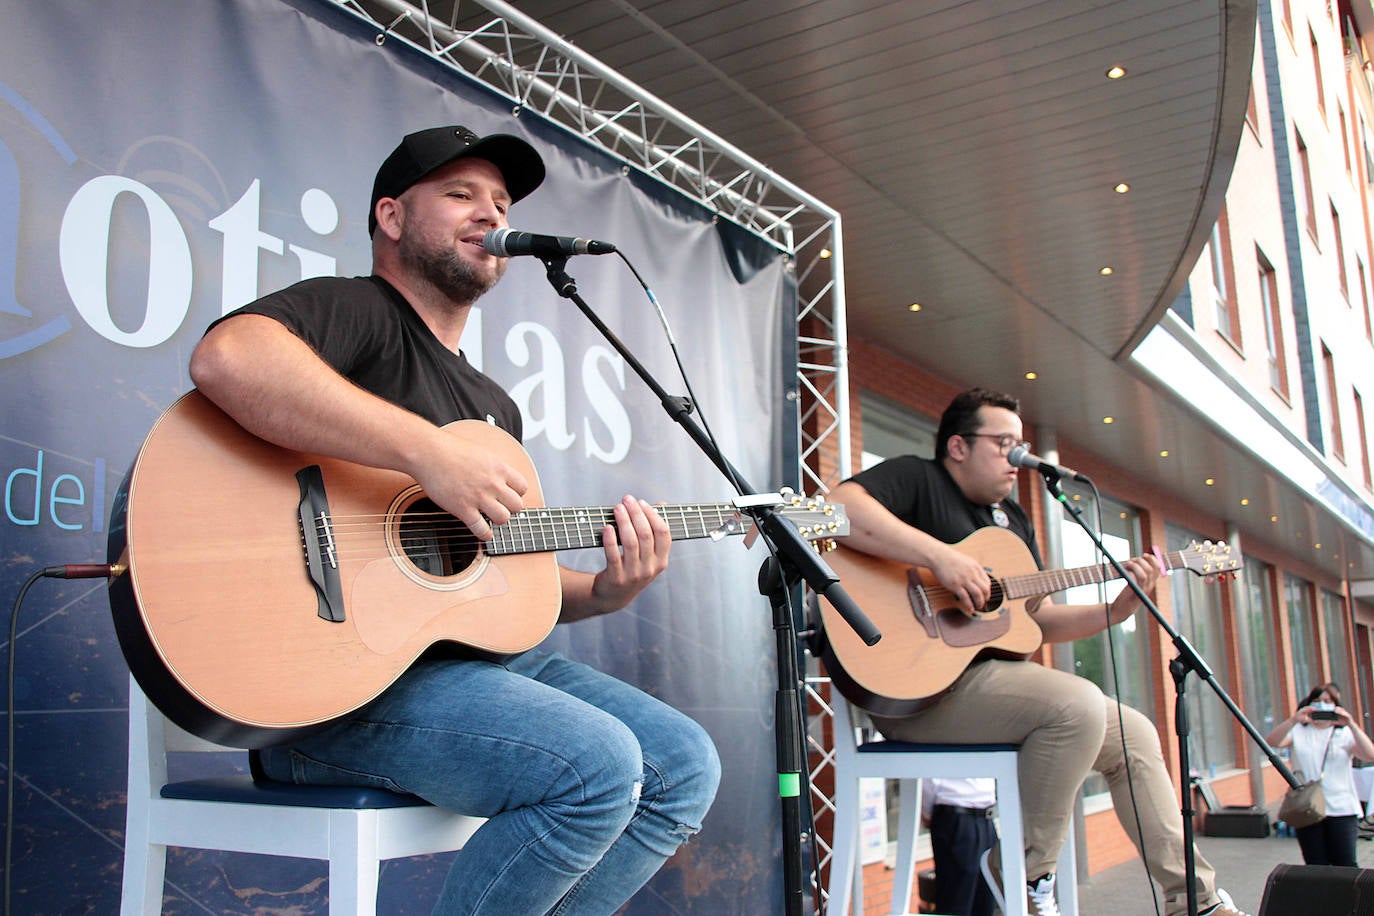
[{"x": 426, "y": 150}]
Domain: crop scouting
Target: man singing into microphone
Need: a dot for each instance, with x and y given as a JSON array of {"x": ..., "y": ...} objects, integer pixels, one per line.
[
  {"x": 588, "y": 783},
  {"x": 911, "y": 510}
]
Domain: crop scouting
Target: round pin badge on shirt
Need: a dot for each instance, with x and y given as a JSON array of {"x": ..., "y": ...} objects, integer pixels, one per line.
[{"x": 1000, "y": 517}]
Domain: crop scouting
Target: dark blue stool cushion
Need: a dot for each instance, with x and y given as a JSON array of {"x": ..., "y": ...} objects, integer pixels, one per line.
[
  {"x": 244, "y": 790},
  {"x": 908, "y": 747}
]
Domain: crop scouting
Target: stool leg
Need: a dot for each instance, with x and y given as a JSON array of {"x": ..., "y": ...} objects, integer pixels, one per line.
[
  {"x": 908, "y": 827},
  {"x": 353, "y": 863},
  {"x": 844, "y": 848},
  {"x": 1013, "y": 846},
  {"x": 1066, "y": 878}
]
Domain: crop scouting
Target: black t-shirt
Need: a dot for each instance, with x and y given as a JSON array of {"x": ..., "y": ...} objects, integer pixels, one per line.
[
  {"x": 921, "y": 493},
  {"x": 368, "y": 332}
]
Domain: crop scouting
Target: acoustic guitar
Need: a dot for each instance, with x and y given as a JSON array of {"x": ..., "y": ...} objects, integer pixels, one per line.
[
  {"x": 928, "y": 639},
  {"x": 264, "y": 593}
]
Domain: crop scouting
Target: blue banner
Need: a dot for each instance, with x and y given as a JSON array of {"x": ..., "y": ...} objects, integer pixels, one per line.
[{"x": 161, "y": 164}]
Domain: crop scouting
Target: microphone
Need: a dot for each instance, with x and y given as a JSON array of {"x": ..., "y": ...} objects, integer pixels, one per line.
[
  {"x": 507, "y": 243},
  {"x": 1021, "y": 457}
]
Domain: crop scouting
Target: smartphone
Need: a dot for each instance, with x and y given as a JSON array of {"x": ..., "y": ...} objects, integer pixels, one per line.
[{"x": 1324, "y": 715}]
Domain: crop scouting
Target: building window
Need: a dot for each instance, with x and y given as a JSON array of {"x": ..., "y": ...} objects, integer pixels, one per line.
[
  {"x": 1119, "y": 665},
  {"x": 1364, "y": 440},
  {"x": 1227, "y": 311},
  {"x": 1317, "y": 75},
  {"x": 1305, "y": 176},
  {"x": 1363, "y": 294},
  {"x": 1333, "y": 618},
  {"x": 1333, "y": 406},
  {"x": 1198, "y": 614},
  {"x": 890, "y": 430},
  {"x": 1345, "y": 139},
  {"x": 1368, "y": 145},
  {"x": 1257, "y": 629},
  {"x": 1297, "y": 598},
  {"x": 1273, "y": 325},
  {"x": 1339, "y": 247}
]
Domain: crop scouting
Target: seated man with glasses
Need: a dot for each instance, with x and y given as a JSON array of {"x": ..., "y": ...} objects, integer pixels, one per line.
[{"x": 911, "y": 510}]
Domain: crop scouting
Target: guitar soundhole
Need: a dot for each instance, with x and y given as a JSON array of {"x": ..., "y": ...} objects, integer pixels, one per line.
[
  {"x": 994, "y": 606},
  {"x": 436, "y": 542}
]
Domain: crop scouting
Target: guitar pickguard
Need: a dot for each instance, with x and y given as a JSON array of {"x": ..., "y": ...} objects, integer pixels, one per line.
[{"x": 951, "y": 625}]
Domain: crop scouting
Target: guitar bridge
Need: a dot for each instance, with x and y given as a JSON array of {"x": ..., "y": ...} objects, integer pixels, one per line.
[{"x": 321, "y": 551}]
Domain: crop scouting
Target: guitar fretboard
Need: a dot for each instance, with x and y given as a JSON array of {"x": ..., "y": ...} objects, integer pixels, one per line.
[
  {"x": 1053, "y": 580},
  {"x": 538, "y": 530}
]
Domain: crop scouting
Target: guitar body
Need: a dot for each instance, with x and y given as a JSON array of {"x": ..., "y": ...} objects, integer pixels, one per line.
[
  {"x": 218, "y": 618},
  {"x": 927, "y": 640}
]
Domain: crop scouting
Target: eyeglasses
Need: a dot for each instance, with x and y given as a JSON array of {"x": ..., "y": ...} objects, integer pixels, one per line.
[{"x": 1005, "y": 442}]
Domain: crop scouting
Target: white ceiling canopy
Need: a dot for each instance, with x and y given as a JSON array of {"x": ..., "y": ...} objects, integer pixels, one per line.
[{"x": 972, "y": 149}]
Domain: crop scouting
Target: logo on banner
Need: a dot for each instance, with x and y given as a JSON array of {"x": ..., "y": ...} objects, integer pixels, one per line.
[
  {"x": 91, "y": 254},
  {"x": 10, "y": 188}
]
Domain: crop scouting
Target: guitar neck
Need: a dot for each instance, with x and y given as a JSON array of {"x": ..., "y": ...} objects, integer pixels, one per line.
[
  {"x": 1049, "y": 581},
  {"x": 546, "y": 529}
]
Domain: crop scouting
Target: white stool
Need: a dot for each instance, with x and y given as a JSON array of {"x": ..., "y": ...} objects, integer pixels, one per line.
[
  {"x": 857, "y": 757},
  {"x": 353, "y": 828}
]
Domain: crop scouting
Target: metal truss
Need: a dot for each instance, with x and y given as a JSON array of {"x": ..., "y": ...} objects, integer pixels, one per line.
[
  {"x": 510, "y": 53},
  {"x": 820, "y": 753}
]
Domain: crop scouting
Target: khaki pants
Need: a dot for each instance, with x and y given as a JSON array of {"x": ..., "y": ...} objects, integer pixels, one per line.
[{"x": 1066, "y": 727}]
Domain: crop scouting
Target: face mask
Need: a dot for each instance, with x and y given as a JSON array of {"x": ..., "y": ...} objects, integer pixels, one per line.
[{"x": 1324, "y": 707}]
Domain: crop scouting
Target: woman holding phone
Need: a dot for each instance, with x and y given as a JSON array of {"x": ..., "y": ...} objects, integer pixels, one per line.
[{"x": 1324, "y": 738}]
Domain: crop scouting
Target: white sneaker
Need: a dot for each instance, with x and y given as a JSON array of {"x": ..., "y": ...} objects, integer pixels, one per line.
[
  {"x": 1226, "y": 906},
  {"x": 1040, "y": 897}
]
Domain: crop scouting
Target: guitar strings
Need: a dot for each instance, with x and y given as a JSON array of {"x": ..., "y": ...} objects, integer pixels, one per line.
[{"x": 531, "y": 530}]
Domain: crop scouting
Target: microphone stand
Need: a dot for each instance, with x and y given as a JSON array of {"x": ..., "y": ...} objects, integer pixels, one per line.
[
  {"x": 793, "y": 560},
  {"x": 1187, "y": 661}
]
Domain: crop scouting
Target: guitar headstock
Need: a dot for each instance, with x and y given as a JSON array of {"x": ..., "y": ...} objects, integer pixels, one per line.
[
  {"x": 818, "y": 521},
  {"x": 1207, "y": 558}
]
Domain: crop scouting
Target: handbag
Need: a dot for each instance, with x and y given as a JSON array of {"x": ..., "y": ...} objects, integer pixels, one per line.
[
  {"x": 1306, "y": 805},
  {"x": 1303, "y": 806}
]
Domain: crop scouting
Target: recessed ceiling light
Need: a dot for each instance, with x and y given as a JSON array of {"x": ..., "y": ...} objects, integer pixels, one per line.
[
  {"x": 1109, "y": 420},
  {"x": 1164, "y": 453},
  {"x": 1122, "y": 188},
  {"x": 825, "y": 252},
  {"x": 914, "y": 307},
  {"x": 1245, "y": 502},
  {"x": 1116, "y": 73},
  {"x": 1273, "y": 518},
  {"x": 1032, "y": 376},
  {"x": 1317, "y": 546},
  {"x": 1106, "y": 271},
  {"x": 1210, "y": 481}
]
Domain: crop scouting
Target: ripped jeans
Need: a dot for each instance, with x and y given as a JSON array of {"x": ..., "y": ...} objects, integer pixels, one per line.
[{"x": 589, "y": 784}]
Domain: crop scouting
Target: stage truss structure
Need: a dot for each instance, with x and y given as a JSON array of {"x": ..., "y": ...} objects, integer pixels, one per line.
[
  {"x": 497, "y": 45},
  {"x": 512, "y": 54}
]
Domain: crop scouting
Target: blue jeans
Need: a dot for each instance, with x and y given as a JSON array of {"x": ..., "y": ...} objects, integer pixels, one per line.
[{"x": 589, "y": 784}]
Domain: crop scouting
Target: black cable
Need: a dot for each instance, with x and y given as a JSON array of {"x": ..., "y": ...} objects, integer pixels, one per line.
[
  {"x": 682, "y": 371},
  {"x": 1121, "y": 719},
  {"x": 805, "y": 771},
  {"x": 71, "y": 571}
]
